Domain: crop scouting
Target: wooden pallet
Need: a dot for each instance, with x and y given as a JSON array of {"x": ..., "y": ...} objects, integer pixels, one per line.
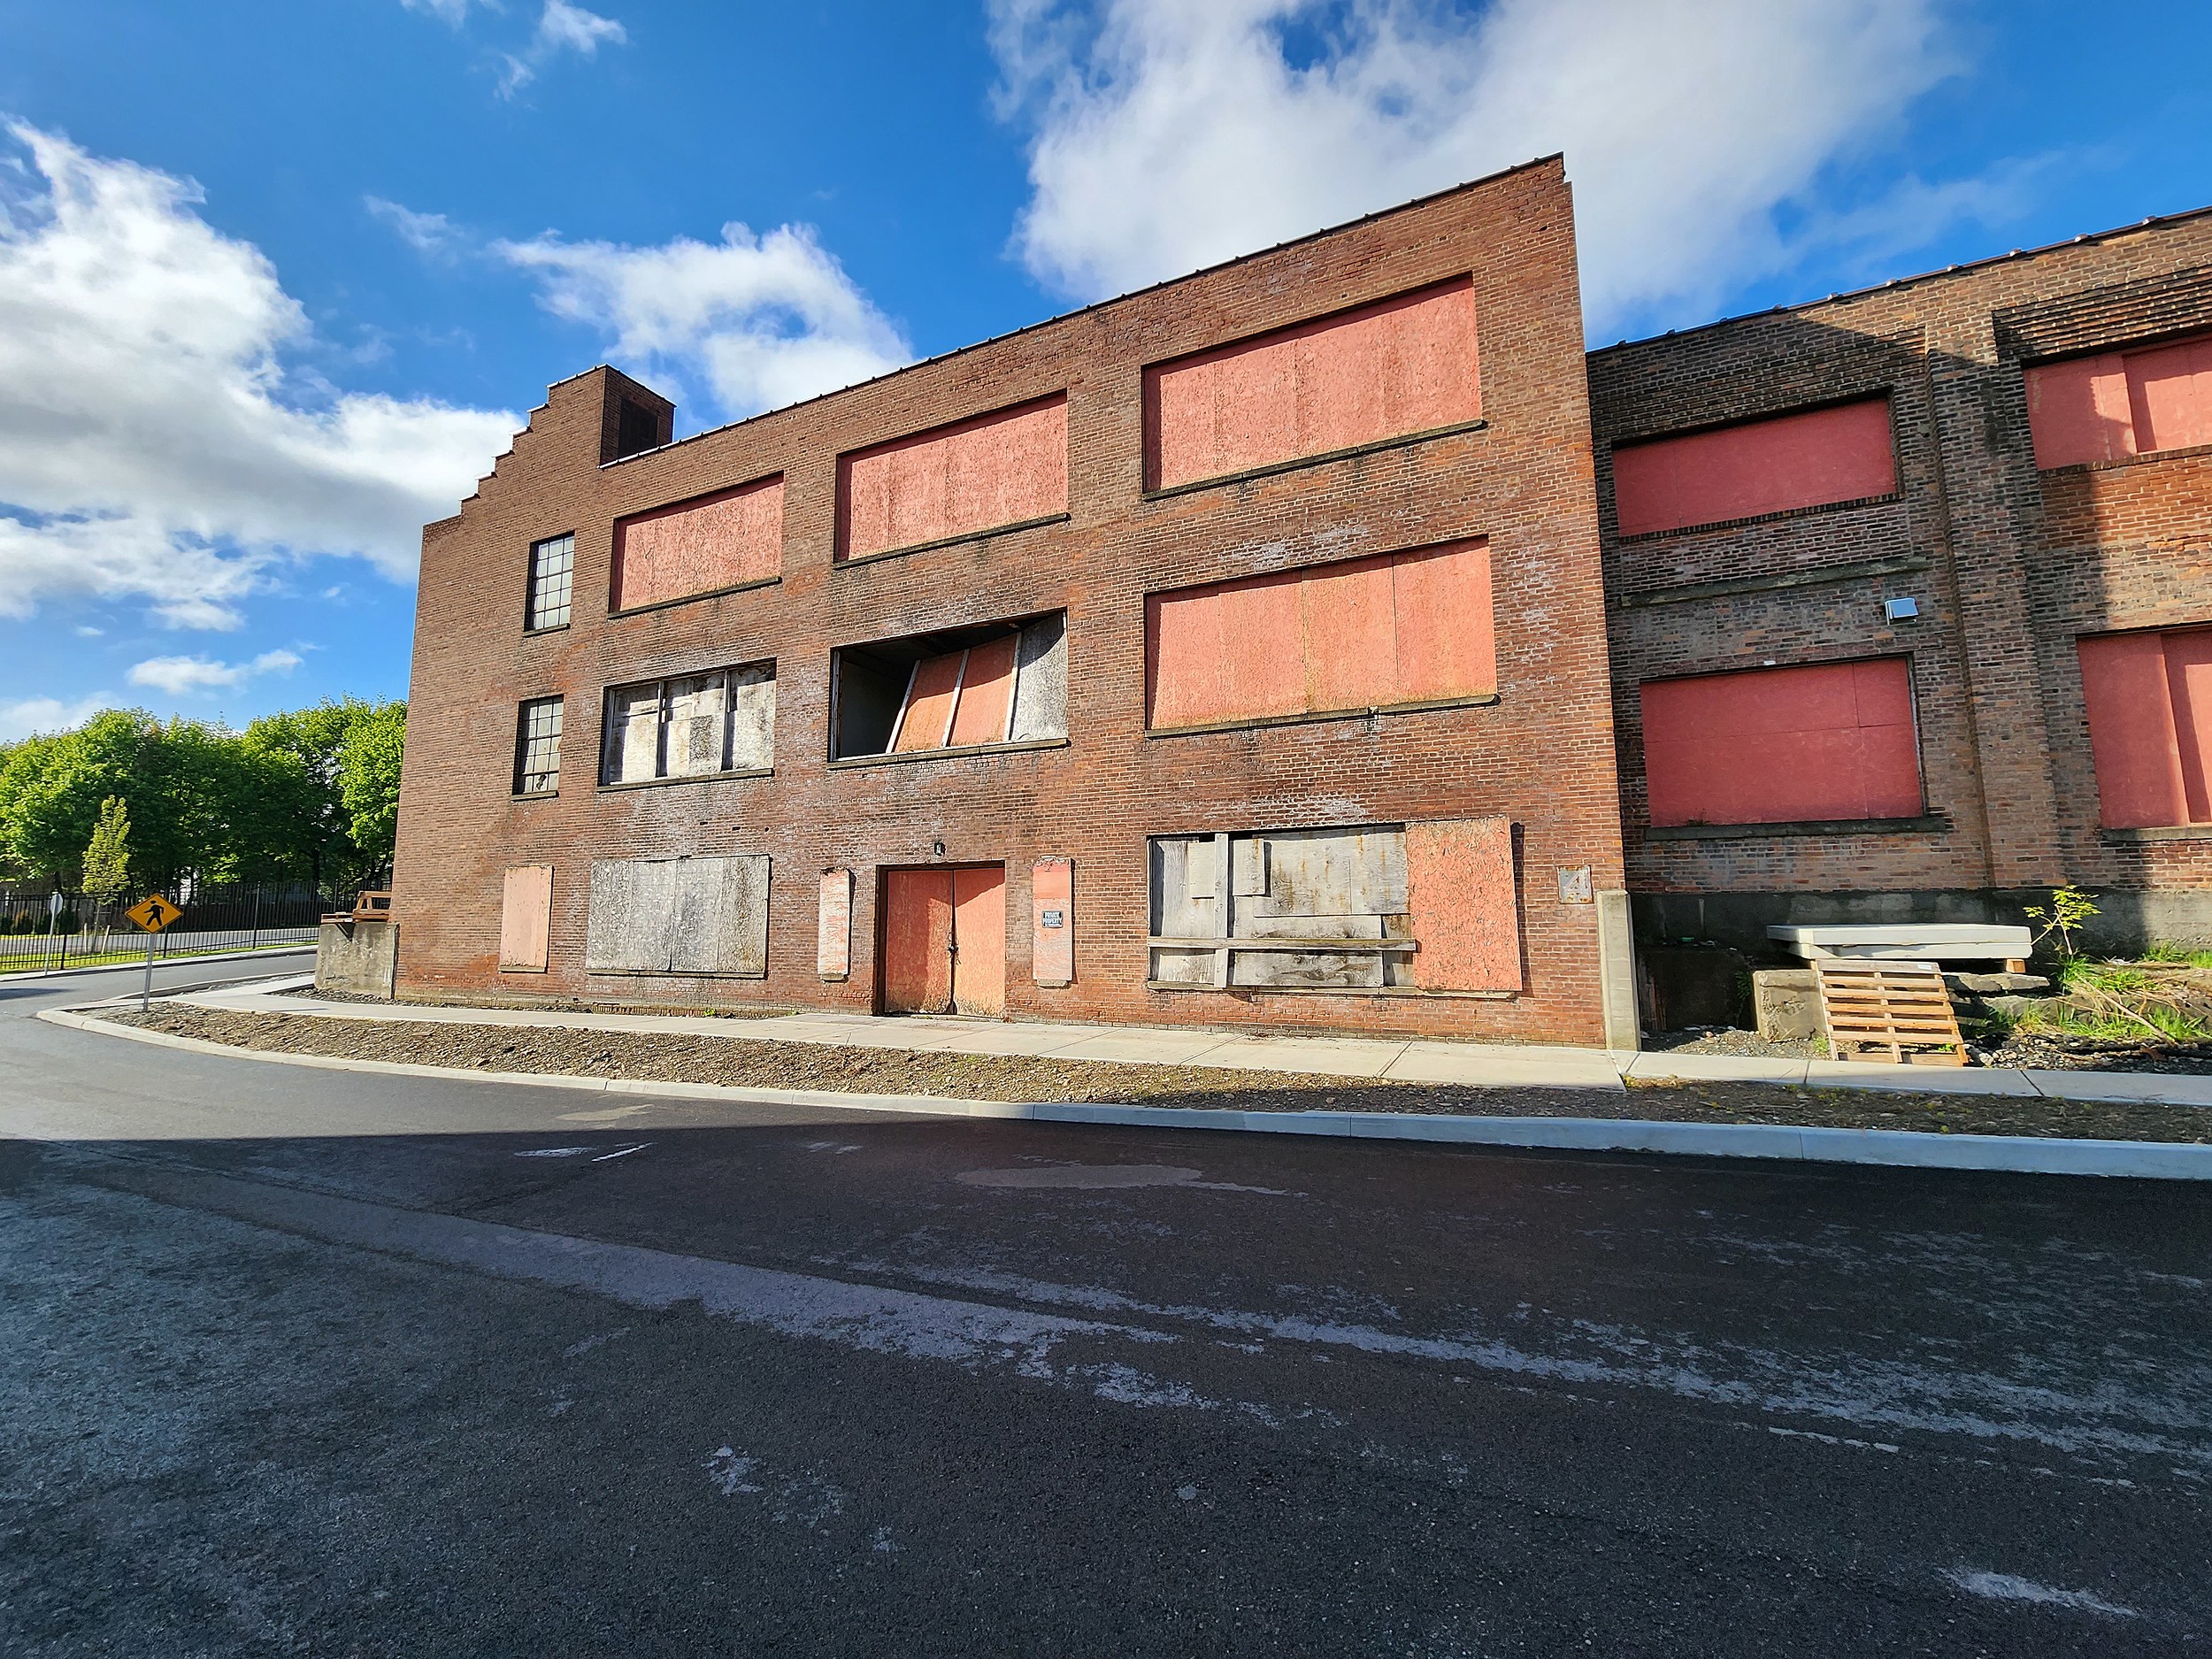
[{"x": 1897, "y": 1012}]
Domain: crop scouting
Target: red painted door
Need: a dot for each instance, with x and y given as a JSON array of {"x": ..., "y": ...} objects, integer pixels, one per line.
[
  {"x": 978, "y": 938},
  {"x": 918, "y": 941}
]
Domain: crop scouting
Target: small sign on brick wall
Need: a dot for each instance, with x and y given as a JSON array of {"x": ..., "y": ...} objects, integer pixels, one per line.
[{"x": 1574, "y": 885}]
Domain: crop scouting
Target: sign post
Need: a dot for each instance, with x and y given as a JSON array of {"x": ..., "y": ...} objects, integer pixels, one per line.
[
  {"x": 153, "y": 914},
  {"x": 53, "y": 923}
]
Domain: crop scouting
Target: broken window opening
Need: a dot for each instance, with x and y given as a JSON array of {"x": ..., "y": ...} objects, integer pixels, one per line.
[
  {"x": 691, "y": 725},
  {"x": 960, "y": 689}
]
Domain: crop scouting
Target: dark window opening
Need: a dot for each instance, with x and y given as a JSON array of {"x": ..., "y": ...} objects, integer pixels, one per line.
[
  {"x": 538, "y": 746},
  {"x": 637, "y": 429},
  {"x": 1001, "y": 682}
]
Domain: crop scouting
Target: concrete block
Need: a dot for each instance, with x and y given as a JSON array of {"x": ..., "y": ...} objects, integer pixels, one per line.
[
  {"x": 1785, "y": 1003},
  {"x": 1997, "y": 984},
  {"x": 357, "y": 957}
]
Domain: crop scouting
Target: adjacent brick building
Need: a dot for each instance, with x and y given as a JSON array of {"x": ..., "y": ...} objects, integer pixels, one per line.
[
  {"x": 1232, "y": 652},
  {"x": 1910, "y": 609},
  {"x": 1320, "y": 641}
]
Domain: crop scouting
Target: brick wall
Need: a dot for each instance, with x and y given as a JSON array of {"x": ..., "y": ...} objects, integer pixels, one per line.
[
  {"x": 1541, "y": 755},
  {"x": 2009, "y": 564}
]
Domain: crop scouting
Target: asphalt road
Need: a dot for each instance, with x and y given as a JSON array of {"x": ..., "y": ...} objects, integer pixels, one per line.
[{"x": 319, "y": 1362}]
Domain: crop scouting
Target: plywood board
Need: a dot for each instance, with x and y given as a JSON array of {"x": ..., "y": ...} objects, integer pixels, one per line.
[
  {"x": 526, "y": 912},
  {"x": 834, "y": 928},
  {"x": 917, "y": 942},
  {"x": 1052, "y": 937},
  {"x": 1464, "y": 905},
  {"x": 979, "y": 939}
]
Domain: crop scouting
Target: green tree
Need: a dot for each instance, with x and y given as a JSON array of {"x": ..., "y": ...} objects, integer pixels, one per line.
[
  {"x": 107, "y": 856},
  {"x": 369, "y": 781}
]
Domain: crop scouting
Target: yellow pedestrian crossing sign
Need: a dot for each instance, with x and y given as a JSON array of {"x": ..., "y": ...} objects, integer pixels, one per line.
[{"x": 153, "y": 914}]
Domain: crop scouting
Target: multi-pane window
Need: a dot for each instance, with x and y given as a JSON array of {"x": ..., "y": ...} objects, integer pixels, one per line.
[
  {"x": 552, "y": 577},
  {"x": 691, "y": 726},
  {"x": 538, "y": 746}
]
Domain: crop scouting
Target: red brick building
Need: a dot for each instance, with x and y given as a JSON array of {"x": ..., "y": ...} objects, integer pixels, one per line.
[
  {"x": 1909, "y": 602},
  {"x": 1278, "y": 647},
  {"x": 1232, "y": 652}
]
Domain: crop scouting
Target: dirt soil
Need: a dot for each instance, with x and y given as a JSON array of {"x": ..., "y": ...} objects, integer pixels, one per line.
[
  {"x": 2029, "y": 1050},
  {"x": 672, "y": 1057}
]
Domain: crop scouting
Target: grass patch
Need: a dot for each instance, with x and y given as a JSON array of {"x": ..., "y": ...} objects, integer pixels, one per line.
[{"x": 2164, "y": 997}]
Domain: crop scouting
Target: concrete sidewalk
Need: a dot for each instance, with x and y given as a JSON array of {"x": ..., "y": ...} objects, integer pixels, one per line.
[{"x": 1476, "y": 1065}]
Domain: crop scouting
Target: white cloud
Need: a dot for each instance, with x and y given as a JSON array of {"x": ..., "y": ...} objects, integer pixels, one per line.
[
  {"x": 153, "y": 444},
  {"x": 561, "y": 27},
  {"x": 1168, "y": 135},
  {"x": 33, "y": 714},
  {"x": 180, "y": 675},
  {"x": 433, "y": 235},
  {"x": 454, "y": 12},
  {"x": 769, "y": 320}
]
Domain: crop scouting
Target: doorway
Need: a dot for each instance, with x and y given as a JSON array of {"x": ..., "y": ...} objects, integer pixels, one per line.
[{"x": 944, "y": 940}]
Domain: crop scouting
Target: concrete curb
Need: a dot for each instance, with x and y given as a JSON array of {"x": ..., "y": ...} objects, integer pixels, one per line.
[
  {"x": 2024, "y": 1155},
  {"x": 29, "y": 974}
]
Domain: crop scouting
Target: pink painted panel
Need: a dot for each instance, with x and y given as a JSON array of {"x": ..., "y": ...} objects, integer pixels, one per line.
[
  {"x": 986, "y": 693},
  {"x": 1351, "y": 635},
  {"x": 1001, "y": 468},
  {"x": 2079, "y": 412},
  {"x": 1776, "y": 745},
  {"x": 1447, "y": 633},
  {"x": 2128, "y": 692},
  {"x": 833, "y": 926},
  {"x": 526, "y": 911},
  {"x": 2170, "y": 395},
  {"x": 979, "y": 936},
  {"x": 1404, "y": 365},
  {"x": 917, "y": 942},
  {"x": 1185, "y": 657},
  {"x": 2189, "y": 683},
  {"x": 1263, "y": 648},
  {"x": 929, "y": 702},
  {"x": 695, "y": 548},
  {"x": 1052, "y": 935},
  {"x": 1465, "y": 905},
  {"x": 1774, "y": 465}
]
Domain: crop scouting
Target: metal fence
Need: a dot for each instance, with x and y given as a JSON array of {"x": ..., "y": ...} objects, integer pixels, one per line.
[{"x": 44, "y": 930}]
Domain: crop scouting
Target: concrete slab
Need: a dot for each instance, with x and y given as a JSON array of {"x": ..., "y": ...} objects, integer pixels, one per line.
[
  {"x": 1308, "y": 1055},
  {"x": 1734, "y": 1068},
  {"x": 2123, "y": 1086},
  {"x": 1918, "y": 1080},
  {"x": 1152, "y": 1048},
  {"x": 1476, "y": 1065}
]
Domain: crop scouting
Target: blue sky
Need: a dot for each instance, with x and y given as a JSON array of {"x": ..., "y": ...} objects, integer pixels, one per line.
[{"x": 276, "y": 281}]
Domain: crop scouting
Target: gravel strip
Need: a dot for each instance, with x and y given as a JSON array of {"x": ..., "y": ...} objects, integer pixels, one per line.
[{"x": 750, "y": 1063}]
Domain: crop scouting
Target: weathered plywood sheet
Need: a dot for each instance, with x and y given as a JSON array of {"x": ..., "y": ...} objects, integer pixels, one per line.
[
  {"x": 698, "y": 726},
  {"x": 1040, "y": 686},
  {"x": 526, "y": 911},
  {"x": 927, "y": 719},
  {"x": 978, "y": 938},
  {"x": 1052, "y": 936},
  {"x": 1003, "y": 468},
  {"x": 834, "y": 929},
  {"x": 752, "y": 719},
  {"x": 986, "y": 694},
  {"x": 687, "y": 916},
  {"x": 917, "y": 942},
  {"x": 633, "y": 734},
  {"x": 1404, "y": 365},
  {"x": 1465, "y": 905},
  {"x": 699, "y": 546}
]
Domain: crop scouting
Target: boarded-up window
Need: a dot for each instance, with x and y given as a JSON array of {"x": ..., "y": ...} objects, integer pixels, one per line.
[
  {"x": 833, "y": 926},
  {"x": 1006, "y": 468},
  {"x": 1417, "y": 907},
  {"x": 1404, "y": 365},
  {"x": 2122, "y": 403},
  {"x": 699, "y": 546},
  {"x": 693, "y": 727},
  {"x": 1052, "y": 936},
  {"x": 526, "y": 912},
  {"x": 1004, "y": 683},
  {"x": 1374, "y": 633},
  {"x": 2149, "y": 698},
  {"x": 1781, "y": 465},
  {"x": 1783, "y": 745},
  {"x": 687, "y": 916}
]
